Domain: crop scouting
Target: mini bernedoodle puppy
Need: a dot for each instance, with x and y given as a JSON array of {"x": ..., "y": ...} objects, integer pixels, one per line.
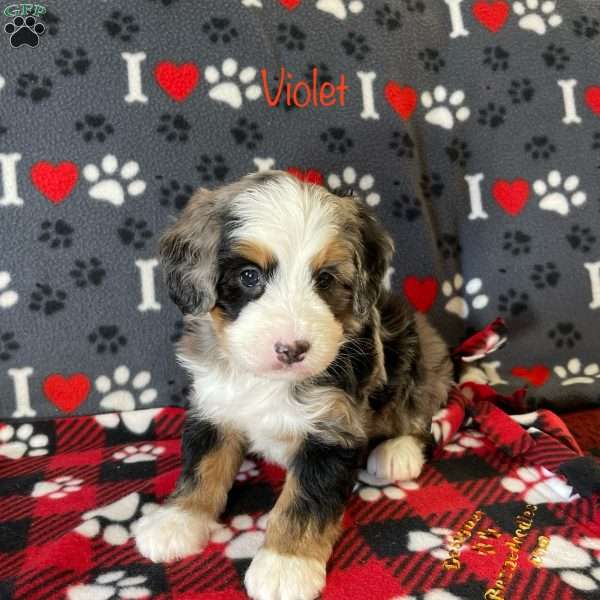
[{"x": 298, "y": 353}]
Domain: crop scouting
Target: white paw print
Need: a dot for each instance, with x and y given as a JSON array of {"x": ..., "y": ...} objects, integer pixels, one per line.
[
  {"x": 15, "y": 443},
  {"x": 469, "y": 438},
  {"x": 247, "y": 470},
  {"x": 2, "y": 82},
  {"x": 340, "y": 8},
  {"x": 8, "y": 297},
  {"x": 537, "y": 485},
  {"x": 440, "y": 107},
  {"x": 349, "y": 177},
  {"x": 573, "y": 374},
  {"x": 557, "y": 195},
  {"x": 109, "y": 183},
  {"x": 115, "y": 521},
  {"x": 459, "y": 305},
  {"x": 371, "y": 488},
  {"x": 387, "y": 278},
  {"x": 57, "y": 488},
  {"x": 111, "y": 585},
  {"x": 229, "y": 91},
  {"x": 536, "y": 16},
  {"x": 579, "y": 564},
  {"x": 432, "y": 541},
  {"x": 135, "y": 454},
  {"x": 243, "y": 536},
  {"x": 252, "y": 3}
]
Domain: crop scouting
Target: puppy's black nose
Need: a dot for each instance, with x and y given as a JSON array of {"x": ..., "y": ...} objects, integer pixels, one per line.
[{"x": 292, "y": 353}]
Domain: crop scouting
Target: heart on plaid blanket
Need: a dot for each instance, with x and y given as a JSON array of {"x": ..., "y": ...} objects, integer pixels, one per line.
[
  {"x": 177, "y": 81},
  {"x": 421, "y": 293},
  {"x": 536, "y": 375},
  {"x": 511, "y": 195},
  {"x": 592, "y": 98},
  {"x": 66, "y": 393},
  {"x": 55, "y": 182},
  {"x": 492, "y": 15},
  {"x": 402, "y": 99}
]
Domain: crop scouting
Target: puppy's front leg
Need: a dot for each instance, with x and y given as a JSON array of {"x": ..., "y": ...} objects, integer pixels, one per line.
[
  {"x": 211, "y": 458},
  {"x": 304, "y": 523}
]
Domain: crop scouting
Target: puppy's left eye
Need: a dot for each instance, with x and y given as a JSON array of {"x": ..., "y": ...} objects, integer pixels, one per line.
[
  {"x": 324, "y": 280},
  {"x": 250, "y": 277}
]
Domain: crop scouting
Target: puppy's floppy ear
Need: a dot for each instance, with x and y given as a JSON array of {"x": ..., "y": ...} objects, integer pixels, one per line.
[
  {"x": 188, "y": 252},
  {"x": 374, "y": 258}
]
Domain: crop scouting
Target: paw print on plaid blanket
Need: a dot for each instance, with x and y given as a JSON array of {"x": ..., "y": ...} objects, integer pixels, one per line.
[
  {"x": 432, "y": 541},
  {"x": 575, "y": 373},
  {"x": 242, "y": 537},
  {"x": 349, "y": 178},
  {"x": 340, "y": 8},
  {"x": 229, "y": 91},
  {"x": 57, "y": 488},
  {"x": 441, "y": 106},
  {"x": 136, "y": 454},
  {"x": 22, "y": 441},
  {"x": 110, "y": 184},
  {"x": 559, "y": 195},
  {"x": 537, "y": 16},
  {"x": 464, "y": 440},
  {"x": 460, "y": 305},
  {"x": 114, "y": 522},
  {"x": 112, "y": 585},
  {"x": 537, "y": 485},
  {"x": 8, "y": 297},
  {"x": 247, "y": 471},
  {"x": 372, "y": 489},
  {"x": 578, "y": 564}
]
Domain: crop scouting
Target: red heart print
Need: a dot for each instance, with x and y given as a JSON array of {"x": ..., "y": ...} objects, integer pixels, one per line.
[
  {"x": 421, "y": 293},
  {"x": 592, "y": 98},
  {"x": 178, "y": 81},
  {"x": 536, "y": 375},
  {"x": 66, "y": 393},
  {"x": 308, "y": 175},
  {"x": 55, "y": 182},
  {"x": 511, "y": 195},
  {"x": 290, "y": 4},
  {"x": 491, "y": 14},
  {"x": 402, "y": 99}
]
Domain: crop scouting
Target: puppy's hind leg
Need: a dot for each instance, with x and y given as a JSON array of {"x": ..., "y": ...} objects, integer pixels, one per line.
[{"x": 397, "y": 459}]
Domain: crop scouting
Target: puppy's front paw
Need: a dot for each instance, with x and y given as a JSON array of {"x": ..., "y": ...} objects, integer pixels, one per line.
[
  {"x": 397, "y": 459},
  {"x": 273, "y": 576},
  {"x": 170, "y": 533}
]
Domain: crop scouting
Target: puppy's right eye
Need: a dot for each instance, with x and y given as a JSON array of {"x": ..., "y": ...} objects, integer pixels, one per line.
[{"x": 250, "y": 277}]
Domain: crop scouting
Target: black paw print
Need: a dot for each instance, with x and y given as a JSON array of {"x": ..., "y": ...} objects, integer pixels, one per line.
[
  {"x": 431, "y": 59},
  {"x": 431, "y": 185},
  {"x": 355, "y": 45},
  {"x": 389, "y": 18},
  {"x": 407, "y": 208},
  {"x": 29, "y": 85},
  {"x": 555, "y": 57},
  {"x": 496, "y": 58},
  {"x": 403, "y": 144},
  {"x": 564, "y": 335},
  {"x": 449, "y": 246},
  {"x": 246, "y": 133},
  {"x": 290, "y": 36},
  {"x": 544, "y": 275},
  {"x": 586, "y": 26},
  {"x": 337, "y": 140},
  {"x": 581, "y": 238},
  {"x": 51, "y": 22},
  {"x": 596, "y": 141},
  {"x": 71, "y": 62},
  {"x": 458, "y": 152},
  {"x": 540, "y": 147},
  {"x": 134, "y": 233},
  {"x": 492, "y": 115},
  {"x": 516, "y": 242},
  {"x": 107, "y": 338},
  {"x": 323, "y": 73},
  {"x": 219, "y": 29},
  {"x": 121, "y": 26},
  {"x": 175, "y": 194},
  {"x": 8, "y": 345},
  {"x": 513, "y": 302},
  {"x": 88, "y": 272},
  {"x": 211, "y": 168},
  {"x": 58, "y": 234},
  {"x": 166, "y": 3},
  {"x": 174, "y": 128},
  {"x": 24, "y": 32},
  {"x": 178, "y": 329},
  {"x": 47, "y": 300},
  {"x": 94, "y": 127},
  {"x": 521, "y": 90},
  {"x": 415, "y": 6}
]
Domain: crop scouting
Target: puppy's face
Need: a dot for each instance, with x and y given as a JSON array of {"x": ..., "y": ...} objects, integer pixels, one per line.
[{"x": 284, "y": 269}]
